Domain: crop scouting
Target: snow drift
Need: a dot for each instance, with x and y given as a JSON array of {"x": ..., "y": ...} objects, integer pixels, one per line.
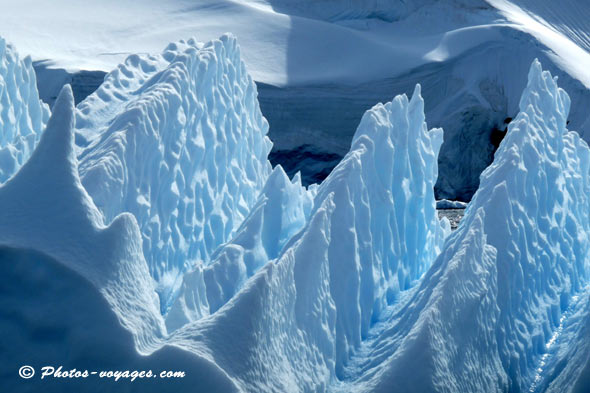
[{"x": 22, "y": 115}]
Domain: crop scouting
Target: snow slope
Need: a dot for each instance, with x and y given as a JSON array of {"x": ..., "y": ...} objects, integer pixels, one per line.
[
  {"x": 46, "y": 209},
  {"x": 22, "y": 116},
  {"x": 177, "y": 140}
]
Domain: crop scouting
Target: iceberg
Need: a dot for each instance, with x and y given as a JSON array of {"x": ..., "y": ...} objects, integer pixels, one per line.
[
  {"x": 282, "y": 210},
  {"x": 87, "y": 282},
  {"x": 148, "y": 230},
  {"x": 371, "y": 235},
  {"x": 487, "y": 313},
  {"x": 22, "y": 115},
  {"x": 177, "y": 140}
]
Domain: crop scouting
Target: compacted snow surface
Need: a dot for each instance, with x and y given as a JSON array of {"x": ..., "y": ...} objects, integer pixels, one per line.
[{"x": 146, "y": 229}]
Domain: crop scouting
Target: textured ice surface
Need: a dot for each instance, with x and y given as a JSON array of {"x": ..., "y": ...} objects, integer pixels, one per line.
[
  {"x": 372, "y": 233},
  {"x": 384, "y": 228},
  {"x": 353, "y": 286},
  {"x": 282, "y": 210},
  {"x": 22, "y": 115},
  {"x": 325, "y": 262},
  {"x": 177, "y": 140},
  {"x": 489, "y": 308},
  {"x": 45, "y": 208},
  {"x": 77, "y": 293}
]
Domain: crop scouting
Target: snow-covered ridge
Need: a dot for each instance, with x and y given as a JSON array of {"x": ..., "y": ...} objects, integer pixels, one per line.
[
  {"x": 22, "y": 115},
  {"x": 177, "y": 140},
  {"x": 45, "y": 208}
]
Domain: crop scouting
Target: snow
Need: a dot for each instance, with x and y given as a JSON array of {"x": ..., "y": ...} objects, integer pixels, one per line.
[
  {"x": 352, "y": 41},
  {"x": 22, "y": 116},
  {"x": 177, "y": 140},
  {"x": 45, "y": 208},
  {"x": 565, "y": 45}
]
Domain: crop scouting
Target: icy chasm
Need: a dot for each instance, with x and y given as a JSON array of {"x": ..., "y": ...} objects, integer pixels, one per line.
[
  {"x": 179, "y": 141},
  {"x": 22, "y": 115}
]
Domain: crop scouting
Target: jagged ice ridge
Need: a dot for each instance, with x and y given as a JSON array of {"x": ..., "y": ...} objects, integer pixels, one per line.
[{"x": 353, "y": 285}]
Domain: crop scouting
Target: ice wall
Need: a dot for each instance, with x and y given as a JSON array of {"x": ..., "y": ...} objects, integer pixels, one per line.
[
  {"x": 177, "y": 140},
  {"x": 385, "y": 232},
  {"x": 22, "y": 115}
]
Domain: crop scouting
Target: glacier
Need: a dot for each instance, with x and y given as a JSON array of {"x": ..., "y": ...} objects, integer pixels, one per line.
[
  {"x": 148, "y": 230},
  {"x": 22, "y": 116}
]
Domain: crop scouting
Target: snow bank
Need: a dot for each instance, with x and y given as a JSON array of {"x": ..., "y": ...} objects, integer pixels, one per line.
[
  {"x": 22, "y": 115},
  {"x": 177, "y": 140}
]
